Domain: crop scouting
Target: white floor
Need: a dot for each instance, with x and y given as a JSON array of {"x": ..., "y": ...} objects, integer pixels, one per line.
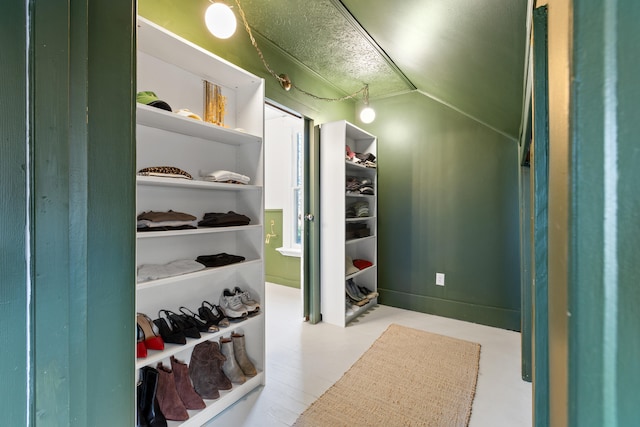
[{"x": 304, "y": 360}]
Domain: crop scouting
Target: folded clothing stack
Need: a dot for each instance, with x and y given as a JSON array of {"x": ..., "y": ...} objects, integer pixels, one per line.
[
  {"x": 219, "y": 260},
  {"x": 357, "y": 230},
  {"x": 170, "y": 269},
  {"x": 225, "y": 176},
  {"x": 358, "y": 185},
  {"x": 364, "y": 159},
  {"x": 221, "y": 219},
  {"x": 163, "y": 221},
  {"x": 358, "y": 210}
]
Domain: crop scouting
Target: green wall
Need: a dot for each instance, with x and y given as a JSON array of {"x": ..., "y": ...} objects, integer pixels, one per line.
[
  {"x": 280, "y": 269},
  {"x": 448, "y": 202},
  {"x": 448, "y": 185}
]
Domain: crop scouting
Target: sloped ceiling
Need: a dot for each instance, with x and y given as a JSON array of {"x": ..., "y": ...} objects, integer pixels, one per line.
[{"x": 467, "y": 54}]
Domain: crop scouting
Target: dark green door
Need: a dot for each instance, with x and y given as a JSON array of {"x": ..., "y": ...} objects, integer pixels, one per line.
[{"x": 311, "y": 255}]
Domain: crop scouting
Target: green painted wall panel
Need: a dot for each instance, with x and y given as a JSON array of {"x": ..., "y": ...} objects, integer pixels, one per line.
[
  {"x": 540, "y": 190},
  {"x": 280, "y": 269},
  {"x": 14, "y": 314},
  {"x": 110, "y": 196},
  {"x": 448, "y": 202},
  {"x": 628, "y": 221}
]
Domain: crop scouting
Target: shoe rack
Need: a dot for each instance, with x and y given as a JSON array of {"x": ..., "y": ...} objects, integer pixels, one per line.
[
  {"x": 175, "y": 70},
  {"x": 336, "y": 243}
]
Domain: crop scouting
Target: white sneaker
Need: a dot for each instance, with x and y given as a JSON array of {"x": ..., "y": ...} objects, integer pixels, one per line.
[
  {"x": 251, "y": 305},
  {"x": 232, "y": 306}
]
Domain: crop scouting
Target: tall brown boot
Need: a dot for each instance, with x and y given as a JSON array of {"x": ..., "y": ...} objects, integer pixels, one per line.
[
  {"x": 230, "y": 366},
  {"x": 170, "y": 403},
  {"x": 187, "y": 394},
  {"x": 240, "y": 353},
  {"x": 201, "y": 371},
  {"x": 220, "y": 380}
]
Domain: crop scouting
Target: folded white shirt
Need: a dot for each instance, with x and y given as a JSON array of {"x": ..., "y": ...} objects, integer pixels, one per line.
[{"x": 173, "y": 268}]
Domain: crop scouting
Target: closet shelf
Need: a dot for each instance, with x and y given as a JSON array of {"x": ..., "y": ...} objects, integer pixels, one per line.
[
  {"x": 352, "y": 165},
  {"x": 173, "y": 349},
  {"x": 361, "y": 239},
  {"x": 356, "y": 274},
  {"x": 154, "y": 181},
  {"x": 210, "y": 271},
  {"x": 361, "y": 218},
  {"x": 357, "y": 312},
  {"x": 189, "y": 232},
  {"x": 362, "y": 196},
  {"x": 165, "y": 120},
  {"x": 226, "y": 399}
]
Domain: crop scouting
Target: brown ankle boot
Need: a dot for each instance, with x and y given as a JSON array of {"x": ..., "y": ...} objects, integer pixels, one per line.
[
  {"x": 201, "y": 371},
  {"x": 187, "y": 394},
  {"x": 240, "y": 353},
  {"x": 220, "y": 380},
  {"x": 170, "y": 403}
]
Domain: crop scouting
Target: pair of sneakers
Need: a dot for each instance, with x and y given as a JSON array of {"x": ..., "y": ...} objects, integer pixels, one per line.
[{"x": 238, "y": 304}]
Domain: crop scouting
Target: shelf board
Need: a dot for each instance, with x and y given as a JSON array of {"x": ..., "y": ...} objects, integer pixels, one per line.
[
  {"x": 360, "y": 310},
  {"x": 156, "y": 181},
  {"x": 155, "y": 356},
  {"x": 361, "y": 239},
  {"x": 358, "y": 166},
  {"x": 195, "y": 231},
  {"x": 210, "y": 271},
  {"x": 214, "y": 407},
  {"x": 165, "y": 120},
  {"x": 365, "y": 196},
  {"x": 357, "y": 273},
  {"x": 362, "y": 218}
]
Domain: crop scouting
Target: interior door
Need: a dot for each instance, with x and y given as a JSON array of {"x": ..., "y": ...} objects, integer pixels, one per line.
[{"x": 311, "y": 244}]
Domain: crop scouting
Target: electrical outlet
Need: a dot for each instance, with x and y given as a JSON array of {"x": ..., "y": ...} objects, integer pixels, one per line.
[{"x": 440, "y": 279}]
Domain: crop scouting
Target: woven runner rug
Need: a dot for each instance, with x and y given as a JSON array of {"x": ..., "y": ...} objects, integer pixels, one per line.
[{"x": 407, "y": 377}]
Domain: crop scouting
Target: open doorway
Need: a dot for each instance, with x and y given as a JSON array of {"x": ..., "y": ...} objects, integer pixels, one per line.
[{"x": 284, "y": 195}]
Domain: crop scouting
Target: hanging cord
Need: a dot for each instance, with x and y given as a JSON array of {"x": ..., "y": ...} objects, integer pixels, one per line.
[{"x": 284, "y": 80}]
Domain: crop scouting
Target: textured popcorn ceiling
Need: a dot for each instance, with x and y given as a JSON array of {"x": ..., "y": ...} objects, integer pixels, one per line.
[
  {"x": 319, "y": 35},
  {"x": 469, "y": 54}
]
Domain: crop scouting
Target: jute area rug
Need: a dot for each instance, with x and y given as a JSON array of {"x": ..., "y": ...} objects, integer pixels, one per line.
[{"x": 407, "y": 377}]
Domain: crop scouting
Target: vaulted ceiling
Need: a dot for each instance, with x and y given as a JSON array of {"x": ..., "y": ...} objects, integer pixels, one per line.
[{"x": 468, "y": 54}]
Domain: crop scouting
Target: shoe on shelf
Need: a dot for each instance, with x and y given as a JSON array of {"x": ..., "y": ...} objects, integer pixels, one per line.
[
  {"x": 178, "y": 323},
  {"x": 141, "y": 350},
  {"x": 148, "y": 408},
  {"x": 352, "y": 291},
  {"x": 232, "y": 306},
  {"x": 369, "y": 294},
  {"x": 169, "y": 401},
  {"x": 252, "y": 306},
  {"x": 230, "y": 366},
  {"x": 169, "y": 335},
  {"x": 195, "y": 320},
  {"x": 240, "y": 353},
  {"x": 213, "y": 313},
  {"x": 151, "y": 338}
]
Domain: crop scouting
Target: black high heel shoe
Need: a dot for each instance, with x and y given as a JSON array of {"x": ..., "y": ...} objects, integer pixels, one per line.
[
  {"x": 169, "y": 335},
  {"x": 212, "y": 313},
  {"x": 197, "y": 321},
  {"x": 180, "y": 324}
]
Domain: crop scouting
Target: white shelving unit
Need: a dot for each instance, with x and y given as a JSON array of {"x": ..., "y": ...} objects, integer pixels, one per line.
[
  {"x": 174, "y": 69},
  {"x": 334, "y": 170}
]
